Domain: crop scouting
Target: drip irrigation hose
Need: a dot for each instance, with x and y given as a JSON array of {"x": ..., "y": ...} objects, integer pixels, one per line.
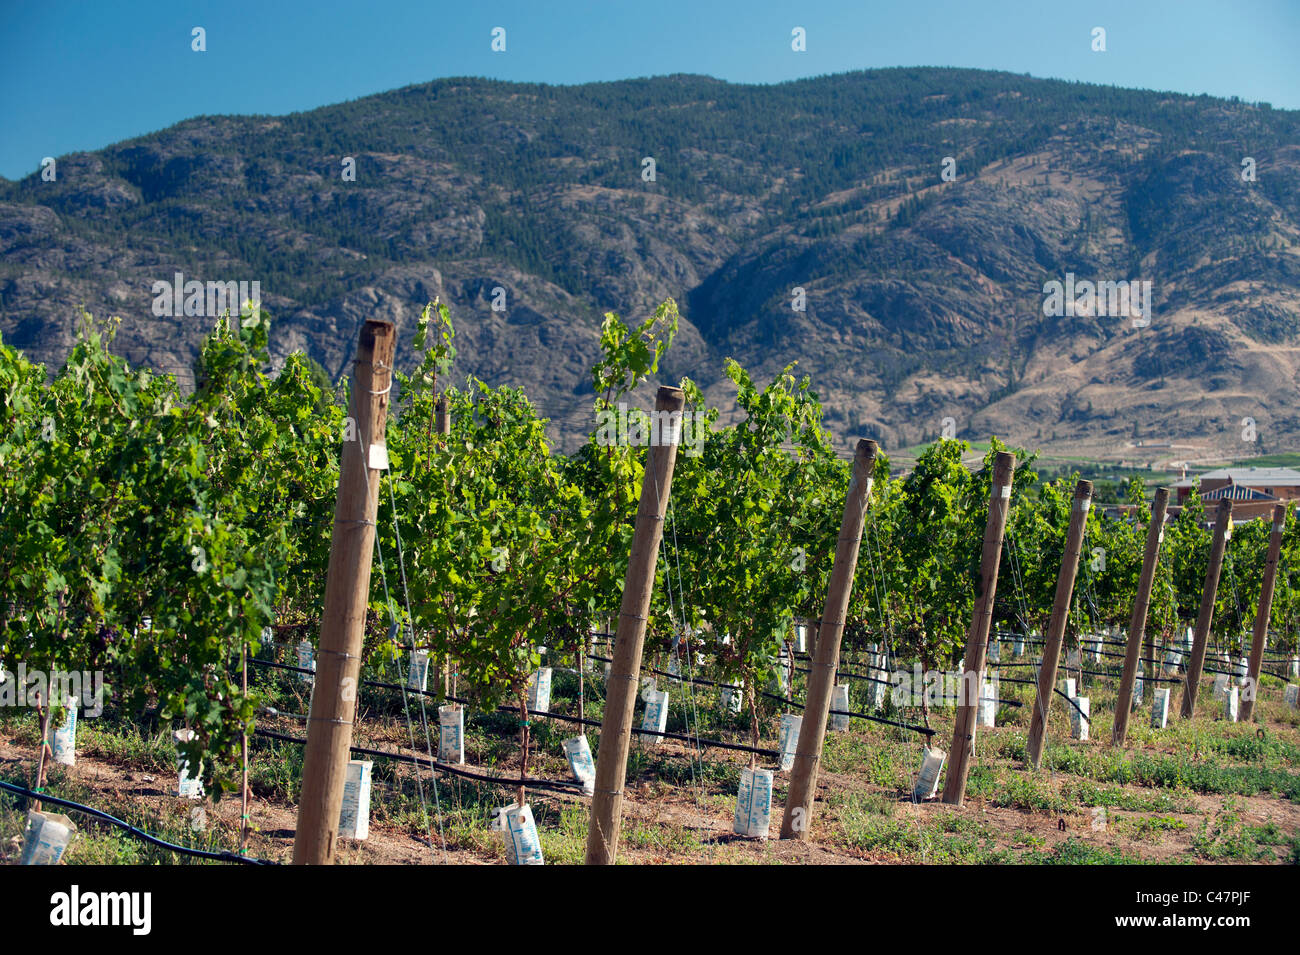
[
  {"x": 132, "y": 830},
  {"x": 554, "y": 785},
  {"x": 706, "y": 743}
]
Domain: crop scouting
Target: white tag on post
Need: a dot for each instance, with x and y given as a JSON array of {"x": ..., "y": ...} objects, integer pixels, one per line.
[
  {"x": 1005, "y": 492},
  {"x": 379, "y": 457}
]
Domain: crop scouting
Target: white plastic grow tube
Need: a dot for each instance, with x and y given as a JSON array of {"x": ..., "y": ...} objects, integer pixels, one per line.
[
  {"x": 188, "y": 786},
  {"x": 354, "y": 814},
  {"x": 791, "y": 723},
  {"x": 1079, "y": 714},
  {"x": 523, "y": 847},
  {"x": 840, "y": 701},
  {"x": 578, "y": 751},
  {"x": 46, "y": 838},
  {"x": 539, "y": 690},
  {"x": 988, "y": 706},
  {"x": 1230, "y": 704},
  {"x": 451, "y": 734},
  {"x": 1160, "y": 708},
  {"x": 927, "y": 780},
  {"x": 655, "y": 718},
  {"x": 306, "y": 660},
  {"x": 417, "y": 674},
  {"x": 63, "y": 738},
  {"x": 753, "y": 817}
]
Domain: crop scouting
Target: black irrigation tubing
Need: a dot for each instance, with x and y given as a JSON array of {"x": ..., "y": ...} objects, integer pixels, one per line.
[
  {"x": 555, "y": 785},
  {"x": 1117, "y": 643},
  {"x": 1116, "y": 656},
  {"x": 1014, "y": 703},
  {"x": 1109, "y": 674},
  {"x": 698, "y": 681},
  {"x": 132, "y": 830},
  {"x": 707, "y": 743},
  {"x": 880, "y": 719},
  {"x": 703, "y": 743},
  {"x": 782, "y": 699},
  {"x": 853, "y": 676},
  {"x": 1149, "y": 679},
  {"x": 1233, "y": 673},
  {"x": 1058, "y": 693},
  {"x": 862, "y": 716},
  {"x": 699, "y": 741},
  {"x": 1070, "y": 700},
  {"x": 718, "y": 744},
  {"x": 1066, "y": 666},
  {"x": 1011, "y": 679},
  {"x": 890, "y": 683},
  {"x": 703, "y": 682},
  {"x": 841, "y": 672},
  {"x": 1205, "y": 669},
  {"x": 1016, "y": 680}
]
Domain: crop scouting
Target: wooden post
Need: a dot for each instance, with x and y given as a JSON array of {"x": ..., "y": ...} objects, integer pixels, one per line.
[
  {"x": 625, "y": 670},
  {"x": 797, "y": 820},
  {"x": 441, "y": 416},
  {"x": 243, "y": 751},
  {"x": 442, "y": 427},
  {"x": 977, "y": 638},
  {"x": 1260, "y": 637},
  {"x": 1056, "y": 626},
  {"x": 1222, "y": 525},
  {"x": 1137, "y": 623},
  {"x": 43, "y": 720},
  {"x": 347, "y": 591}
]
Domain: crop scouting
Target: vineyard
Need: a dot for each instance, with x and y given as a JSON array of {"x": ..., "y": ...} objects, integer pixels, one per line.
[{"x": 182, "y": 553}]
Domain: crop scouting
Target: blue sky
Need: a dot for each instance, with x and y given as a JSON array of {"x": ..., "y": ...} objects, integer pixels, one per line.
[{"x": 80, "y": 75}]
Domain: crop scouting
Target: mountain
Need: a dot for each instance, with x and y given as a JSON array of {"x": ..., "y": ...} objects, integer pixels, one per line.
[{"x": 924, "y": 294}]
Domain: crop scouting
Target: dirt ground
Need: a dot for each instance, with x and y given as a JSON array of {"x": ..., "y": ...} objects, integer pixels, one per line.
[{"x": 681, "y": 824}]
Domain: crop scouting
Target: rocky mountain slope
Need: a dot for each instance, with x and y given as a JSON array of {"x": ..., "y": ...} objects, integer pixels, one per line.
[{"x": 923, "y": 294}]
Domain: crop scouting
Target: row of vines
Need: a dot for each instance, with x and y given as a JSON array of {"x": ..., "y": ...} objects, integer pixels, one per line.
[{"x": 208, "y": 516}]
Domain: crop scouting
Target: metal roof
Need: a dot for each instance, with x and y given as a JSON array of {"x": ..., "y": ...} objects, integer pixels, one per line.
[{"x": 1251, "y": 477}]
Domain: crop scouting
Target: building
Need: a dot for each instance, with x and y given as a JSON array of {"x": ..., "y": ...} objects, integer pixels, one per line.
[
  {"x": 1253, "y": 491},
  {"x": 1244, "y": 484}
]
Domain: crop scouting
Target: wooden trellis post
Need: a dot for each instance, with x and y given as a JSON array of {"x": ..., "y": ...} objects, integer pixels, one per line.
[
  {"x": 797, "y": 820},
  {"x": 347, "y": 592},
  {"x": 1056, "y": 627},
  {"x": 1259, "y": 639},
  {"x": 442, "y": 428},
  {"x": 1222, "y": 526},
  {"x": 441, "y": 416},
  {"x": 624, "y": 672},
  {"x": 1137, "y": 623},
  {"x": 977, "y": 638}
]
